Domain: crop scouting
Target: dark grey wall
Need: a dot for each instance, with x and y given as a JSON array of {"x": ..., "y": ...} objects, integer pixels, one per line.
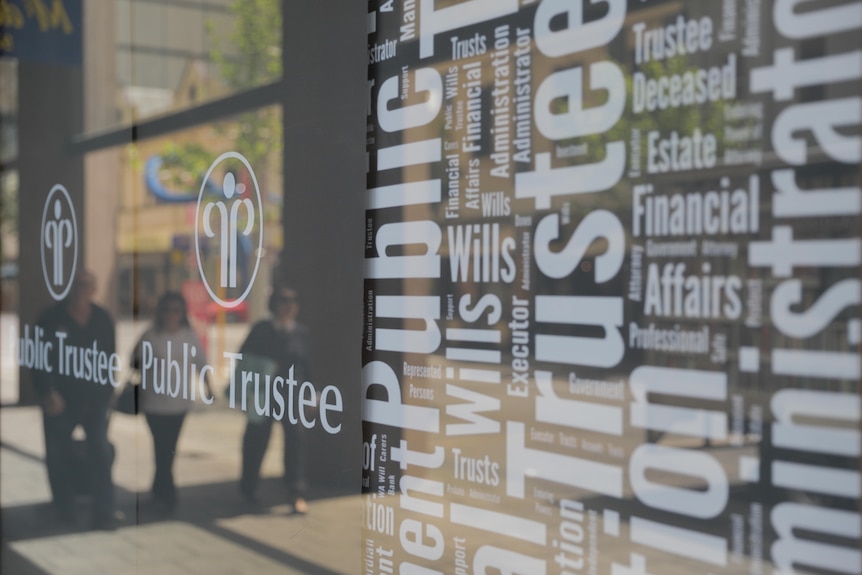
[
  {"x": 324, "y": 55},
  {"x": 50, "y": 111}
]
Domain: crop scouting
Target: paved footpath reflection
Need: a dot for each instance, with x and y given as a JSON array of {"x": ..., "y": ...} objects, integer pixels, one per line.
[{"x": 211, "y": 531}]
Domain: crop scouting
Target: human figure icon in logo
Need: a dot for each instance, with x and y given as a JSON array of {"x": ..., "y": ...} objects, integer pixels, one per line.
[
  {"x": 228, "y": 225},
  {"x": 58, "y": 236}
]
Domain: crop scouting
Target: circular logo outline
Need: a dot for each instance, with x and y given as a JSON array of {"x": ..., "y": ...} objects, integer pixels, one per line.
[
  {"x": 62, "y": 189},
  {"x": 231, "y": 303}
]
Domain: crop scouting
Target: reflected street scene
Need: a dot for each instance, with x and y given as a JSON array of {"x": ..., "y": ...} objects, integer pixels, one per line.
[{"x": 427, "y": 287}]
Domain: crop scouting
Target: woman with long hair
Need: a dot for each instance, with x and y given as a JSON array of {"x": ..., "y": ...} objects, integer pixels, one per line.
[{"x": 162, "y": 402}]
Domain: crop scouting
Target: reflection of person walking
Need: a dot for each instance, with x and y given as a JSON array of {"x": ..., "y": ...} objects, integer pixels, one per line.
[
  {"x": 78, "y": 394},
  {"x": 284, "y": 341},
  {"x": 165, "y": 413}
]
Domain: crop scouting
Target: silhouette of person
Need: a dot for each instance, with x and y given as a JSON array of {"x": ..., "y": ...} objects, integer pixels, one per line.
[
  {"x": 164, "y": 412},
  {"x": 286, "y": 342},
  {"x": 72, "y": 395}
]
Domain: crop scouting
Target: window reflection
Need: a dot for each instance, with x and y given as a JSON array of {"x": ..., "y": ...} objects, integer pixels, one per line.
[
  {"x": 176, "y": 466},
  {"x": 172, "y": 56},
  {"x": 633, "y": 348}
]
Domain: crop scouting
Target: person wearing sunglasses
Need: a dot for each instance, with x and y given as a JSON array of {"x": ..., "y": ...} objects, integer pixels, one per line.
[{"x": 285, "y": 342}]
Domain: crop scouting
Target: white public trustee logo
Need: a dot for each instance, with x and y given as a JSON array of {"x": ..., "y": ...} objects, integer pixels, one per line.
[
  {"x": 58, "y": 239},
  {"x": 219, "y": 219}
]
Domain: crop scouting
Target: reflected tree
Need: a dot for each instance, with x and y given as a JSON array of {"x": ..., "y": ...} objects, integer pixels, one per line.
[{"x": 249, "y": 56}]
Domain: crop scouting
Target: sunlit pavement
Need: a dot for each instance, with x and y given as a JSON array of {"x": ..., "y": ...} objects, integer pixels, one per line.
[
  {"x": 211, "y": 531},
  {"x": 8, "y": 359}
]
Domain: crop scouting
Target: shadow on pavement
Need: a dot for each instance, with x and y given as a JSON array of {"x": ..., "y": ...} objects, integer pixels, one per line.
[{"x": 215, "y": 508}]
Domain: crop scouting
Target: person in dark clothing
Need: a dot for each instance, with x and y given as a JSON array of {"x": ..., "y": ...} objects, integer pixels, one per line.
[
  {"x": 285, "y": 342},
  {"x": 78, "y": 391}
]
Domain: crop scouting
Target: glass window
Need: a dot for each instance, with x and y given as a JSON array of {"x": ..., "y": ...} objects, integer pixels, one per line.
[{"x": 586, "y": 300}]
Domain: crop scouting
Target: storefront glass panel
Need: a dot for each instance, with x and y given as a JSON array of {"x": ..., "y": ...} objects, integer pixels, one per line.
[{"x": 418, "y": 287}]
